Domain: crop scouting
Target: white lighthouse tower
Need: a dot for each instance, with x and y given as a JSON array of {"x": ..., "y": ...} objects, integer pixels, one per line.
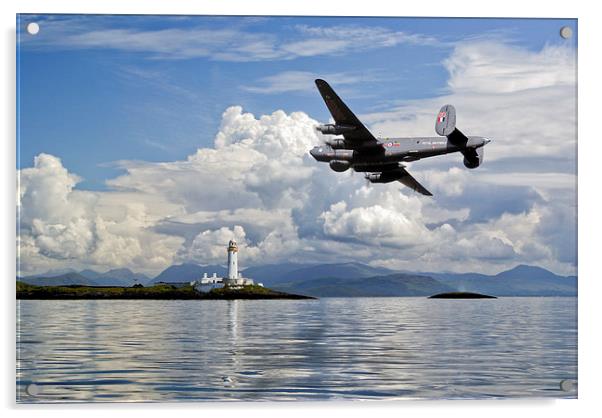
[
  {"x": 234, "y": 278},
  {"x": 232, "y": 260}
]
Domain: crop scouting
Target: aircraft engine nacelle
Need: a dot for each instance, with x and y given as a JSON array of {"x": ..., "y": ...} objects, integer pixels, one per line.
[
  {"x": 339, "y": 165},
  {"x": 334, "y": 129},
  {"x": 336, "y": 143},
  {"x": 385, "y": 177},
  {"x": 476, "y": 160},
  {"x": 343, "y": 154}
]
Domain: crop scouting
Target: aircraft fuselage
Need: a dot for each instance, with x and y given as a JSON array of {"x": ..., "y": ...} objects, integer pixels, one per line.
[{"x": 392, "y": 150}]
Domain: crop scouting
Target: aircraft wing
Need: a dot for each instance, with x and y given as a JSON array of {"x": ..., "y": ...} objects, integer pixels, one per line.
[
  {"x": 407, "y": 180},
  {"x": 343, "y": 116}
]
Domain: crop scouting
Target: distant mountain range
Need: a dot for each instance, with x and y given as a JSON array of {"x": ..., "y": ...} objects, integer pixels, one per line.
[
  {"x": 60, "y": 280},
  {"x": 400, "y": 284},
  {"x": 187, "y": 273},
  {"x": 520, "y": 281},
  {"x": 341, "y": 279},
  {"x": 273, "y": 274},
  {"x": 116, "y": 277}
]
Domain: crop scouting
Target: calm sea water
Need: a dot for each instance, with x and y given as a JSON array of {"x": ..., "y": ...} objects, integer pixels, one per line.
[{"x": 364, "y": 348}]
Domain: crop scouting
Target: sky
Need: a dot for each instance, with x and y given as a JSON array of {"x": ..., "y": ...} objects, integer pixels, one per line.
[{"x": 147, "y": 141}]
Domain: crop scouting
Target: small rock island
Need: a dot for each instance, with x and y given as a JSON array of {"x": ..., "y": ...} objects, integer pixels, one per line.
[{"x": 461, "y": 295}]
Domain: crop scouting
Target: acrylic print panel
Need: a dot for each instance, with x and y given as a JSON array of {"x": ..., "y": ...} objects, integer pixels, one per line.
[{"x": 260, "y": 208}]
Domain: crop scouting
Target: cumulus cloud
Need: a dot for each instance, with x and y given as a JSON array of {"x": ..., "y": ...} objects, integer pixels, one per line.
[
  {"x": 53, "y": 212},
  {"x": 60, "y": 226},
  {"x": 258, "y": 185},
  {"x": 450, "y": 182},
  {"x": 209, "y": 244},
  {"x": 256, "y": 163},
  {"x": 392, "y": 228}
]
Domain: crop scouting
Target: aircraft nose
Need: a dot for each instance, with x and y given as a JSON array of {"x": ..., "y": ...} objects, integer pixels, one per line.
[
  {"x": 315, "y": 152},
  {"x": 486, "y": 141}
]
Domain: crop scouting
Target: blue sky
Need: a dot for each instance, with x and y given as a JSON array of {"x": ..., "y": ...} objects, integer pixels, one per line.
[
  {"x": 94, "y": 105},
  {"x": 145, "y": 141}
]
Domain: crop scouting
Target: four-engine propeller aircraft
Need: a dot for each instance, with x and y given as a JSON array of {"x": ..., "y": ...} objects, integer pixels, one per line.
[{"x": 381, "y": 159}]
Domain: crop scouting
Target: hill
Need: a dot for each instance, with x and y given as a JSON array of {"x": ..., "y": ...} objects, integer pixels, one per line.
[
  {"x": 61, "y": 280},
  {"x": 187, "y": 272},
  {"x": 125, "y": 276},
  {"x": 271, "y": 273},
  {"x": 116, "y": 277},
  {"x": 275, "y": 274},
  {"x": 399, "y": 284}
]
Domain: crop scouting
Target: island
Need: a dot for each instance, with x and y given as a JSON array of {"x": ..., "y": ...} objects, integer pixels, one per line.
[
  {"x": 158, "y": 291},
  {"x": 461, "y": 295}
]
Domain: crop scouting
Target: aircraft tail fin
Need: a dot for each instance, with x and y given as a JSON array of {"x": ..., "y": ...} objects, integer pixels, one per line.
[
  {"x": 446, "y": 120},
  {"x": 445, "y": 125}
]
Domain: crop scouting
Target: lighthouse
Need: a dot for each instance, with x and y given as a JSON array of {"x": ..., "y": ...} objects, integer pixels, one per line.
[
  {"x": 232, "y": 260},
  {"x": 233, "y": 280}
]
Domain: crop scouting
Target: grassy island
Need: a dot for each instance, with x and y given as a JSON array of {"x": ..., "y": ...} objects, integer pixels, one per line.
[{"x": 159, "y": 291}]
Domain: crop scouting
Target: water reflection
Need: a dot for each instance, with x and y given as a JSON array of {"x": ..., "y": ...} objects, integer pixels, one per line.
[{"x": 381, "y": 348}]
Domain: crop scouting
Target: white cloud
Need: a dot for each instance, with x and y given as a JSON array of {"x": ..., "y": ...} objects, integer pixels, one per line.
[
  {"x": 497, "y": 68},
  {"x": 289, "y": 81},
  {"x": 392, "y": 227},
  {"x": 209, "y": 245},
  {"x": 525, "y": 101},
  {"x": 484, "y": 247},
  {"x": 256, "y": 163},
  {"x": 221, "y": 44},
  {"x": 61, "y": 226},
  {"x": 450, "y": 182},
  {"x": 52, "y": 211},
  {"x": 539, "y": 180},
  {"x": 332, "y": 39}
]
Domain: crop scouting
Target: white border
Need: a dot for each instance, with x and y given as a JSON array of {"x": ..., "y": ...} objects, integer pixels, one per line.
[
  {"x": 589, "y": 209},
  {"x": 507, "y": 8}
]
